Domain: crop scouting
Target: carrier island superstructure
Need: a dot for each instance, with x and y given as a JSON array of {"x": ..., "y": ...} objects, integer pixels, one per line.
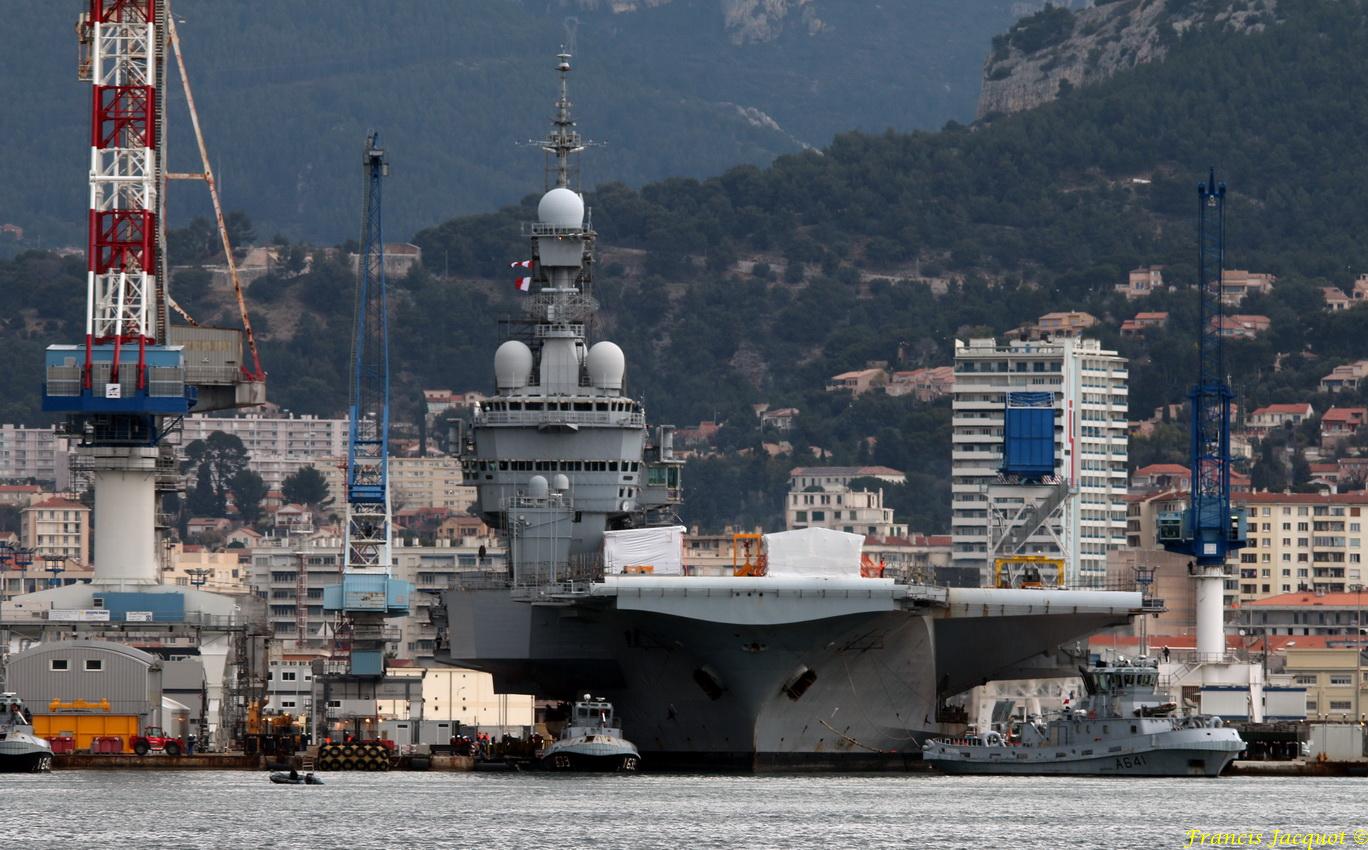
[{"x": 753, "y": 672}]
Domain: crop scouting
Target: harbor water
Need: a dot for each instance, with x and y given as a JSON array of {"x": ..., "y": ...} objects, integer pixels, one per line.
[{"x": 233, "y": 809}]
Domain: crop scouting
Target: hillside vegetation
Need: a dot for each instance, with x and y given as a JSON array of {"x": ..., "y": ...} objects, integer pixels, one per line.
[
  {"x": 287, "y": 90},
  {"x": 760, "y": 284}
]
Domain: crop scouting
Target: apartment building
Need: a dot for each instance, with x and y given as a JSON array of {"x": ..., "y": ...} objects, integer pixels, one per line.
[
  {"x": 285, "y": 436},
  {"x": 57, "y": 527},
  {"x": 842, "y": 509},
  {"x": 1302, "y": 542},
  {"x": 289, "y": 575},
  {"x": 1090, "y": 389},
  {"x": 35, "y": 454}
]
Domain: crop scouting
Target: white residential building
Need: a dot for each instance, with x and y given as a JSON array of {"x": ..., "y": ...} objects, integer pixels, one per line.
[
  {"x": 287, "y": 436},
  {"x": 842, "y": 509},
  {"x": 435, "y": 481},
  {"x": 1089, "y": 385},
  {"x": 295, "y": 602},
  {"x": 35, "y": 454}
]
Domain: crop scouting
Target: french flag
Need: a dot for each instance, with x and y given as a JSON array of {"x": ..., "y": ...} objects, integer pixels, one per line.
[{"x": 524, "y": 284}]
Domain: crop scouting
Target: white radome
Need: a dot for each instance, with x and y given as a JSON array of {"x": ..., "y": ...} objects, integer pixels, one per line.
[
  {"x": 606, "y": 364},
  {"x": 512, "y": 365},
  {"x": 561, "y": 207}
]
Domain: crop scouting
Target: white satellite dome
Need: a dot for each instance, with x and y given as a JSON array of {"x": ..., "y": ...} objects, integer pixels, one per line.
[
  {"x": 561, "y": 207},
  {"x": 606, "y": 364},
  {"x": 560, "y": 482},
  {"x": 512, "y": 365},
  {"x": 536, "y": 487}
]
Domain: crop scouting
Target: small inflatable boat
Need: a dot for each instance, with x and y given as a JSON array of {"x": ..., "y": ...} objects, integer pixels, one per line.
[{"x": 295, "y": 779}]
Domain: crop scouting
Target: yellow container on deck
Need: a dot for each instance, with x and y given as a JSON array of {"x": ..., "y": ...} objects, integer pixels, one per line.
[{"x": 85, "y": 728}]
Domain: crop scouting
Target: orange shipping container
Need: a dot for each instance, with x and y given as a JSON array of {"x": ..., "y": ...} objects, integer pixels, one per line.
[{"x": 85, "y": 728}]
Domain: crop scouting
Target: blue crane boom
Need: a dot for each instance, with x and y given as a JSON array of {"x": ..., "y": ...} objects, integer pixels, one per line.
[
  {"x": 368, "y": 515},
  {"x": 368, "y": 595},
  {"x": 1209, "y": 529}
]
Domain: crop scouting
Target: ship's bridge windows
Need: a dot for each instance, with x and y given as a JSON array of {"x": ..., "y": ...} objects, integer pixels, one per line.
[
  {"x": 503, "y": 466},
  {"x": 612, "y": 466},
  {"x": 514, "y": 405},
  {"x": 584, "y": 406},
  {"x": 601, "y": 406},
  {"x": 545, "y": 466}
]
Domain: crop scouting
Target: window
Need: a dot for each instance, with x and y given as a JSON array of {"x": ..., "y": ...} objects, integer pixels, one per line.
[
  {"x": 1341, "y": 705},
  {"x": 1337, "y": 679},
  {"x": 94, "y": 665},
  {"x": 59, "y": 664},
  {"x": 288, "y": 675}
]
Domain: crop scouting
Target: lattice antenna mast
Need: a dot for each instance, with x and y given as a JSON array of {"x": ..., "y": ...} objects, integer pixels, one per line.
[
  {"x": 564, "y": 139},
  {"x": 368, "y": 503}
]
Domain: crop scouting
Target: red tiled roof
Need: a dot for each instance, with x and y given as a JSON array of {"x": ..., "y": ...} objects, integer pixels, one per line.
[
  {"x": 1162, "y": 469},
  {"x": 57, "y": 502},
  {"x": 1345, "y": 414},
  {"x": 1355, "y": 498},
  {"x": 1283, "y": 408}
]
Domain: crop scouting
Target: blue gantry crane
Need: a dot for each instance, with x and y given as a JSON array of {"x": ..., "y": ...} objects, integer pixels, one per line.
[
  {"x": 1209, "y": 529},
  {"x": 368, "y": 594}
]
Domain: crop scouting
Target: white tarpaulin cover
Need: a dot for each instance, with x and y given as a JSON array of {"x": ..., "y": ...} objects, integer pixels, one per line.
[
  {"x": 813, "y": 552},
  {"x": 661, "y": 549}
]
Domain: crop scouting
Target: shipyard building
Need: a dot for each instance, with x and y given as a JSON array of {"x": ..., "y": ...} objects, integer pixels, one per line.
[{"x": 1076, "y": 512}]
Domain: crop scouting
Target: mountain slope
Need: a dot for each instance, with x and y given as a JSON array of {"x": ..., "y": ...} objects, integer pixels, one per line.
[
  {"x": 759, "y": 284},
  {"x": 683, "y": 87}
]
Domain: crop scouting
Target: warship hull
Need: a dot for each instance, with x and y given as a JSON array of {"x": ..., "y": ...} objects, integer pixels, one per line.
[
  {"x": 24, "y": 756},
  {"x": 783, "y": 678},
  {"x": 1153, "y": 763}
]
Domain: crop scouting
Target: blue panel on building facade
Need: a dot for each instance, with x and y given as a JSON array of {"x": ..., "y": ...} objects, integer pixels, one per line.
[{"x": 1028, "y": 444}]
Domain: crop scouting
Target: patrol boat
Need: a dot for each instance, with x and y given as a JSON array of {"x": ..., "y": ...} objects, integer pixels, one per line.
[
  {"x": 21, "y": 751},
  {"x": 1120, "y": 728},
  {"x": 807, "y": 664},
  {"x": 592, "y": 740}
]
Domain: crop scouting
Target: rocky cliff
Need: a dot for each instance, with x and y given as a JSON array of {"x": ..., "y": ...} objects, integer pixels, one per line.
[
  {"x": 1058, "y": 49},
  {"x": 747, "y": 21}
]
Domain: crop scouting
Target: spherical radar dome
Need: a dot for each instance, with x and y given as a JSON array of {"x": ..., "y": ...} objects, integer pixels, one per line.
[
  {"x": 606, "y": 364},
  {"x": 512, "y": 365},
  {"x": 561, "y": 207}
]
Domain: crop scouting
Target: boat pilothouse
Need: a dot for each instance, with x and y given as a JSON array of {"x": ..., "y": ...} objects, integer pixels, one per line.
[
  {"x": 561, "y": 453},
  {"x": 21, "y": 751},
  {"x": 1121, "y": 727}
]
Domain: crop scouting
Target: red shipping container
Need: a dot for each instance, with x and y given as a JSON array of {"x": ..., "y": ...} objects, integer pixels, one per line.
[
  {"x": 107, "y": 744},
  {"x": 62, "y": 744}
]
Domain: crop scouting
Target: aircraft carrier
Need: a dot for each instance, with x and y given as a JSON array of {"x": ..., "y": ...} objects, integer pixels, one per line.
[{"x": 772, "y": 672}]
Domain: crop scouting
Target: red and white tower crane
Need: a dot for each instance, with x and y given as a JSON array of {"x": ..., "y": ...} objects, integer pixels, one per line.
[{"x": 123, "y": 241}]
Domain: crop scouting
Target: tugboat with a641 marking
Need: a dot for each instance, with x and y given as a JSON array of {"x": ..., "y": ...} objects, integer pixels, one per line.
[
  {"x": 592, "y": 740},
  {"x": 21, "y": 751},
  {"x": 1121, "y": 728}
]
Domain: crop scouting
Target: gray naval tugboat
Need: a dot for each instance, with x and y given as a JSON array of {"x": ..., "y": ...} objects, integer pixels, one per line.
[
  {"x": 592, "y": 740},
  {"x": 21, "y": 751},
  {"x": 1120, "y": 728}
]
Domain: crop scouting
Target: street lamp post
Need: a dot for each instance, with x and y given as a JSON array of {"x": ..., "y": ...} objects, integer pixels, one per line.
[{"x": 1358, "y": 649}]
